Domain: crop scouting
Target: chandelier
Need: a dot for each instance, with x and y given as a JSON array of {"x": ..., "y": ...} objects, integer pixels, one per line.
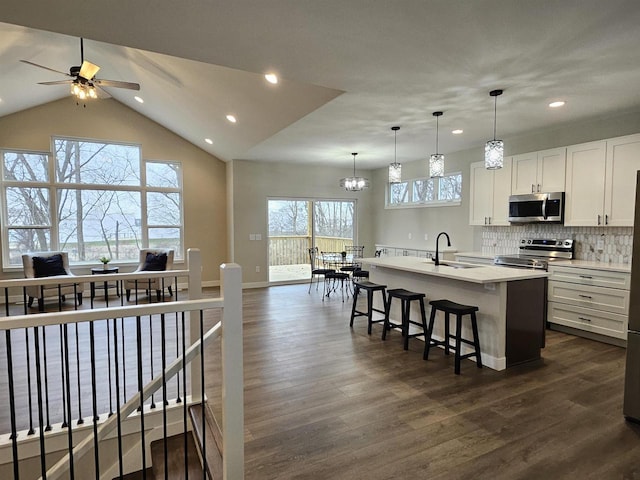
[
  {"x": 494, "y": 149},
  {"x": 395, "y": 169},
  {"x": 436, "y": 160},
  {"x": 354, "y": 184}
]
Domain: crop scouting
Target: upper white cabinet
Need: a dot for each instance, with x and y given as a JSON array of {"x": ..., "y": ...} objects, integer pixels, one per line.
[
  {"x": 489, "y": 194},
  {"x": 601, "y": 182},
  {"x": 537, "y": 172}
]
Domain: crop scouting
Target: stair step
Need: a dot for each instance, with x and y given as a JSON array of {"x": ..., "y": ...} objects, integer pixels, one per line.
[
  {"x": 175, "y": 458},
  {"x": 213, "y": 439},
  {"x": 136, "y": 475}
]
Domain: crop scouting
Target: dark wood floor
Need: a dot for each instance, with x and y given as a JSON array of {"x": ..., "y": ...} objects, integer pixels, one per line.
[{"x": 323, "y": 401}]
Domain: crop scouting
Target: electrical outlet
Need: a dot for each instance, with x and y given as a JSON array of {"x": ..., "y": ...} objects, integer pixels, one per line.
[
  {"x": 490, "y": 286},
  {"x": 257, "y": 268},
  {"x": 600, "y": 243}
]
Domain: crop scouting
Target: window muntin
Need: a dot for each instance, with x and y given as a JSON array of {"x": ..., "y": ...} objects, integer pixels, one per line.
[
  {"x": 426, "y": 191},
  {"x": 98, "y": 205}
]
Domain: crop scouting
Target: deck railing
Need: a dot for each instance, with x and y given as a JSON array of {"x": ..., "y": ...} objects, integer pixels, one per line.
[
  {"x": 88, "y": 390},
  {"x": 294, "y": 250}
]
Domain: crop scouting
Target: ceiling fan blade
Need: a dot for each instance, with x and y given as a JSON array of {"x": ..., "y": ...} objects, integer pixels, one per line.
[
  {"x": 88, "y": 70},
  {"x": 57, "y": 82},
  {"x": 46, "y": 68},
  {"x": 102, "y": 93},
  {"x": 117, "y": 84}
]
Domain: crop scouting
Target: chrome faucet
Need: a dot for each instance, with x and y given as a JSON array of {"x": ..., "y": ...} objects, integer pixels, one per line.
[{"x": 436, "y": 259}]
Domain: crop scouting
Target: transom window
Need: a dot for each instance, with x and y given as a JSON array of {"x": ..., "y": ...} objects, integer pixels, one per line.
[
  {"x": 90, "y": 199},
  {"x": 446, "y": 190}
]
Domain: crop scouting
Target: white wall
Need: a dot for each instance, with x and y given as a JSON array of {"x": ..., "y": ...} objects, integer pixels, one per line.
[{"x": 255, "y": 182}]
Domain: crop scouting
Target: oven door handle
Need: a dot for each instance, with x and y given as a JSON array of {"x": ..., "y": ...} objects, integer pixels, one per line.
[{"x": 544, "y": 207}]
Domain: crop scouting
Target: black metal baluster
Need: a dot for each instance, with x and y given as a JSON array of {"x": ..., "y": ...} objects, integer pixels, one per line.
[
  {"x": 124, "y": 364},
  {"x": 6, "y": 301},
  {"x": 153, "y": 401},
  {"x": 94, "y": 381},
  {"x": 117, "y": 374},
  {"x": 164, "y": 396},
  {"x": 140, "y": 387},
  {"x": 46, "y": 378},
  {"x": 68, "y": 383},
  {"x": 204, "y": 436},
  {"x": 109, "y": 368},
  {"x": 12, "y": 407},
  {"x": 43, "y": 458},
  {"x": 59, "y": 297},
  {"x": 178, "y": 399},
  {"x": 80, "y": 419},
  {"x": 31, "y": 430},
  {"x": 184, "y": 405},
  {"x": 25, "y": 300},
  {"x": 63, "y": 383}
]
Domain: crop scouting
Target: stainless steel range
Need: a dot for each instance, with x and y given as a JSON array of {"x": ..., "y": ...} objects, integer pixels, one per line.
[{"x": 537, "y": 253}]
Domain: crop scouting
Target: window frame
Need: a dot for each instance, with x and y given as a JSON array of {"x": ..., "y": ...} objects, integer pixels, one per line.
[
  {"x": 410, "y": 203},
  {"x": 53, "y": 186}
]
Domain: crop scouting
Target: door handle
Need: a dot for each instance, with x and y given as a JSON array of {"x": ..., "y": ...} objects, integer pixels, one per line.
[
  {"x": 538, "y": 188},
  {"x": 606, "y": 219},
  {"x": 585, "y": 296},
  {"x": 532, "y": 188},
  {"x": 598, "y": 219},
  {"x": 586, "y": 276},
  {"x": 584, "y": 319}
]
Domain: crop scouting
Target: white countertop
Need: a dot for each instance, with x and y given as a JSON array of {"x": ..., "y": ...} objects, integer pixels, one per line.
[{"x": 476, "y": 274}]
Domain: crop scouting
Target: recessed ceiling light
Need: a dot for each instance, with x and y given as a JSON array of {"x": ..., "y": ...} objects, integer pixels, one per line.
[
  {"x": 557, "y": 104},
  {"x": 457, "y": 131},
  {"x": 138, "y": 99},
  {"x": 231, "y": 118},
  {"x": 209, "y": 141},
  {"x": 271, "y": 78}
]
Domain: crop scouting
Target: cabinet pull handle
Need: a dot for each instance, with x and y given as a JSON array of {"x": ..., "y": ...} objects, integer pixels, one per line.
[
  {"x": 538, "y": 188},
  {"x": 606, "y": 219},
  {"x": 532, "y": 188},
  {"x": 584, "y": 319},
  {"x": 586, "y": 276},
  {"x": 489, "y": 220},
  {"x": 584, "y": 296},
  {"x": 598, "y": 219}
]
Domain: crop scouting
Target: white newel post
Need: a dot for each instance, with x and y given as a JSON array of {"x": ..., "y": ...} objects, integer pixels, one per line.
[
  {"x": 232, "y": 373},
  {"x": 194, "y": 264}
]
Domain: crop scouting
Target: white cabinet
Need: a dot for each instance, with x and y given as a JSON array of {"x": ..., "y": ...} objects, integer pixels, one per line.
[
  {"x": 590, "y": 300},
  {"x": 601, "y": 181},
  {"x": 489, "y": 194},
  {"x": 537, "y": 172}
]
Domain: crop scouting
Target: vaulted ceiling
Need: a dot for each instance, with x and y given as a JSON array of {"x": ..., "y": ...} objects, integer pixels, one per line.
[{"x": 349, "y": 70}]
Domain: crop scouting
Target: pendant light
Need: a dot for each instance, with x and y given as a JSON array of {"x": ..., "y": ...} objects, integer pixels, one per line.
[
  {"x": 354, "y": 184},
  {"x": 395, "y": 169},
  {"x": 494, "y": 149},
  {"x": 436, "y": 160}
]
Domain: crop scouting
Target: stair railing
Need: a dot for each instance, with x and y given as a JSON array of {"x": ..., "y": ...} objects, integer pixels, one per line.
[{"x": 135, "y": 413}]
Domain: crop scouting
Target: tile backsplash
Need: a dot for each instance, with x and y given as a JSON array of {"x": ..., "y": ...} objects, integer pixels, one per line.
[{"x": 617, "y": 241}]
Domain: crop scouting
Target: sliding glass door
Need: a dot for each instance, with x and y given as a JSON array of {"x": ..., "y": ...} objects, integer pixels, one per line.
[{"x": 295, "y": 225}]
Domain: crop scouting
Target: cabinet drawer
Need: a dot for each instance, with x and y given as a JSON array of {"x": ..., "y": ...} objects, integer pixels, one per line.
[
  {"x": 587, "y": 276},
  {"x": 608, "y": 299},
  {"x": 589, "y": 320}
]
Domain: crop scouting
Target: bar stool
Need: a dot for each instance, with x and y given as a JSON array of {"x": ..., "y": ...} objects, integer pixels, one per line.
[
  {"x": 452, "y": 308},
  {"x": 406, "y": 297},
  {"x": 370, "y": 287}
]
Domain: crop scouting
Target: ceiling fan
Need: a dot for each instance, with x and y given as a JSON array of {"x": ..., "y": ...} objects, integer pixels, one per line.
[{"x": 83, "y": 79}]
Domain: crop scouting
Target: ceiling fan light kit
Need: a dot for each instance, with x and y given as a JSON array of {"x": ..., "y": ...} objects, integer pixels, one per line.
[{"x": 83, "y": 82}]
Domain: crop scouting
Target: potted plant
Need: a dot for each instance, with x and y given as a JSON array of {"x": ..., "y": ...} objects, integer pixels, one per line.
[{"x": 105, "y": 261}]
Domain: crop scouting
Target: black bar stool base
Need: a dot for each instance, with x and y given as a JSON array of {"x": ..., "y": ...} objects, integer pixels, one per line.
[
  {"x": 406, "y": 297},
  {"x": 369, "y": 287}
]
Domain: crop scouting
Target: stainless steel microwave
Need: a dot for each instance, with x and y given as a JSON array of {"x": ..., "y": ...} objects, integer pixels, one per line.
[{"x": 537, "y": 208}]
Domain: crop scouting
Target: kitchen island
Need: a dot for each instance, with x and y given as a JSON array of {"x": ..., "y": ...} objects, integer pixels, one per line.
[{"x": 511, "y": 301}]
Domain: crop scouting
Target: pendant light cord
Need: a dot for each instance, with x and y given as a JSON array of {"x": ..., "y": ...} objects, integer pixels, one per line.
[
  {"x": 495, "y": 115},
  {"x": 437, "y": 134},
  {"x": 395, "y": 147}
]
